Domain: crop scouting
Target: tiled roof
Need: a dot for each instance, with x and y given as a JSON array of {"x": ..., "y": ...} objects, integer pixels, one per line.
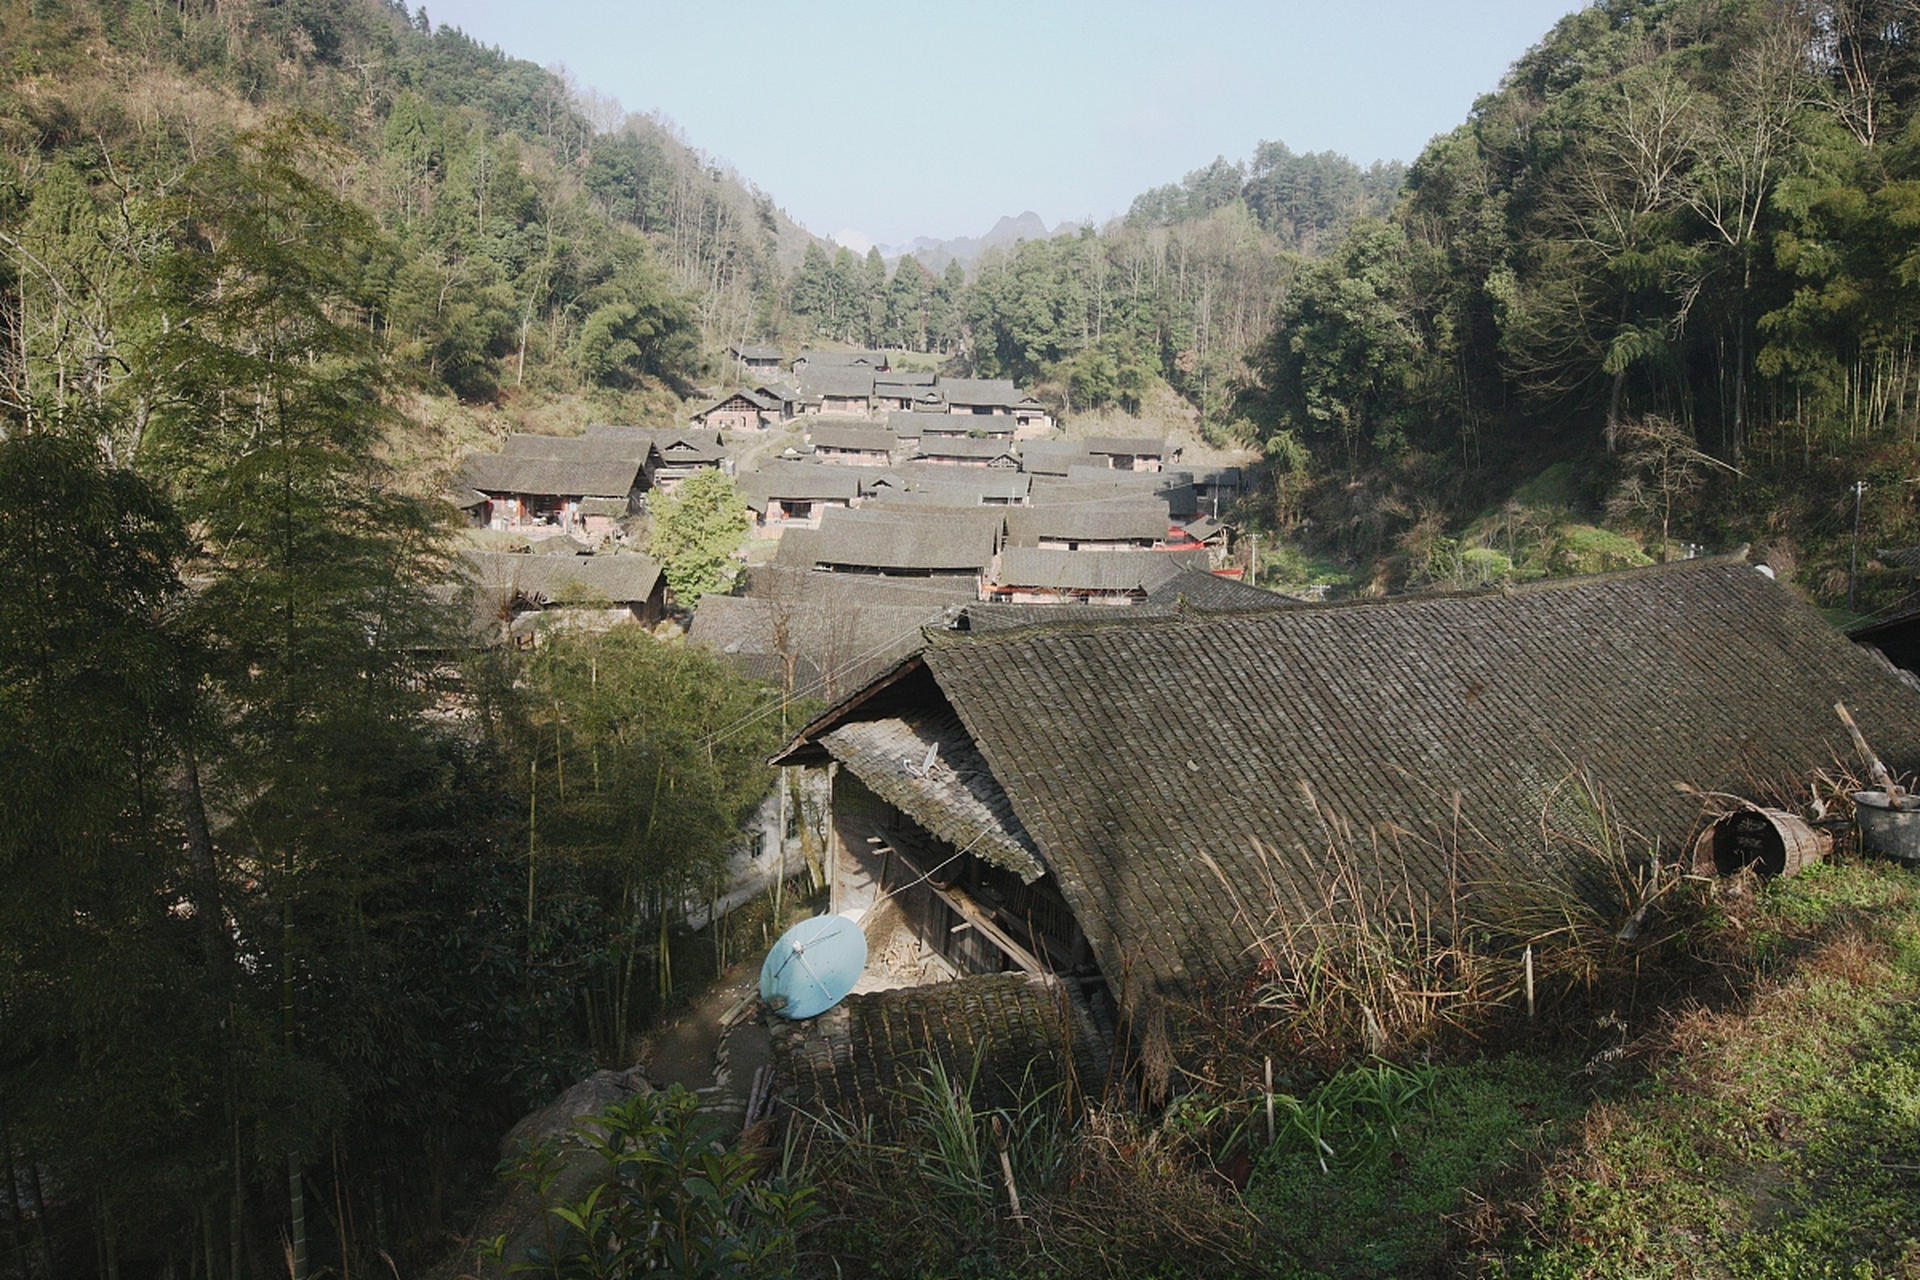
[
  {"x": 783, "y": 582},
  {"x": 752, "y": 400},
  {"x": 1141, "y": 519},
  {"x": 544, "y": 580},
  {"x": 1085, "y": 483},
  {"x": 1189, "y": 589},
  {"x": 954, "y": 797},
  {"x": 588, "y": 448},
  {"x": 1000, "y": 425},
  {"x": 858, "y": 438},
  {"x": 842, "y": 359},
  {"x": 837, "y": 644},
  {"x": 1054, "y": 457},
  {"x": 932, "y": 446},
  {"x": 1056, "y": 570},
  {"x": 898, "y": 541},
  {"x": 755, "y": 351},
  {"x": 495, "y": 473},
  {"x": 1012, "y": 1035},
  {"x": 798, "y": 481},
  {"x": 837, "y": 381},
  {"x": 1403, "y": 721},
  {"x": 997, "y": 392},
  {"x": 1138, "y": 446}
]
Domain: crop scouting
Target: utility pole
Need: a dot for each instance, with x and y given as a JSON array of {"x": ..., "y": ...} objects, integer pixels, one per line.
[
  {"x": 1254, "y": 568},
  {"x": 1853, "y": 568}
]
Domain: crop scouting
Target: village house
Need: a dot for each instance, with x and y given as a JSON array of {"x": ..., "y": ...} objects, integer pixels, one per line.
[
  {"x": 840, "y": 390},
  {"x": 1054, "y": 457},
  {"x": 812, "y": 361},
  {"x": 556, "y": 484},
  {"x": 754, "y": 360},
  {"x": 742, "y": 410},
  {"x": 966, "y": 451},
  {"x": 852, "y": 444},
  {"x": 938, "y": 486},
  {"x": 780, "y": 393},
  {"x": 947, "y": 425},
  {"x": 787, "y": 495},
  {"x": 1215, "y": 488},
  {"x": 989, "y": 397},
  {"x": 1013, "y": 798},
  {"x": 1127, "y": 524},
  {"x": 1130, "y": 453},
  {"x": 1085, "y": 483},
  {"x": 894, "y": 395},
  {"x": 1031, "y": 575},
  {"x": 517, "y": 596},
  {"x": 949, "y": 545},
  {"x": 679, "y": 454}
]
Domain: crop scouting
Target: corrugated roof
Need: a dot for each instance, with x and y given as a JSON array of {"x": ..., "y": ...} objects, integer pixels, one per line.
[{"x": 1422, "y": 722}]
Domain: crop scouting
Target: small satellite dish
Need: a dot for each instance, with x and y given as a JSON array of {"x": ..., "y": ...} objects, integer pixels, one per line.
[{"x": 813, "y": 966}]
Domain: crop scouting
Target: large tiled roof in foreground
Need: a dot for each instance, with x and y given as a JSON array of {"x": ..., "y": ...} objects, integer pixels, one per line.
[{"x": 1403, "y": 728}]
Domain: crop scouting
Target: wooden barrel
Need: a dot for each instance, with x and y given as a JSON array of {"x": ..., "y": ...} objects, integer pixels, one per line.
[{"x": 1771, "y": 841}]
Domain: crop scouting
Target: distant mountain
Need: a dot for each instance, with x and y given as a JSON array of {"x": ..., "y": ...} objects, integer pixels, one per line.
[{"x": 936, "y": 254}]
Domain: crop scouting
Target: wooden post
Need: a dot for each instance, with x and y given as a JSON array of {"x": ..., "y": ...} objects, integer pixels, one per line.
[
  {"x": 1527, "y": 962},
  {"x": 1269, "y": 1101},
  {"x": 1006, "y": 1169}
]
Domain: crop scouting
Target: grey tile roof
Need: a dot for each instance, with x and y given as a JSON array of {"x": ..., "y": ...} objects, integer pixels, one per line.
[
  {"x": 1190, "y": 589},
  {"x": 1407, "y": 720},
  {"x": 755, "y": 351},
  {"x": 1130, "y": 519},
  {"x": 908, "y": 424},
  {"x": 999, "y": 425},
  {"x": 1085, "y": 483},
  {"x": 1194, "y": 587},
  {"x": 1054, "y": 570},
  {"x": 747, "y": 399},
  {"x": 932, "y": 446},
  {"x": 835, "y": 381},
  {"x": 995, "y": 392},
  {"x": 842, "y": 359},
  {"x": 1138, "y": 446},
  {"x": 1011, "y": 1034},
  {"x": 784, "y": 582},
  {"x": 587, "y": 448},
  {"x": 956, "y": 798},
  {"x": 543, "y": 580},
  {"x": 851, "y": 437},
  {"x": 837, "y": 642},
  {"x": 799, "y": 482},
  {"x": 494, "y": 473},
  {"x": 897, "y": 541},
  {"x": 1053, "y": 457}
]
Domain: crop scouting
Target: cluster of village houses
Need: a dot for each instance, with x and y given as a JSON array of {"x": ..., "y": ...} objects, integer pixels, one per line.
[
  {"x": 1061, "y": 823},
  {"x": 883, "y": 520}
]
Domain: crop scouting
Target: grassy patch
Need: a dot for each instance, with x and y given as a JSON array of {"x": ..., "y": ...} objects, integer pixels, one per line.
[{"x": 1781, "y": 1138}]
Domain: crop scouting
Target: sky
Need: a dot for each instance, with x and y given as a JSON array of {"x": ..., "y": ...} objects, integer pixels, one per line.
[{"x": 879, "y": 122}]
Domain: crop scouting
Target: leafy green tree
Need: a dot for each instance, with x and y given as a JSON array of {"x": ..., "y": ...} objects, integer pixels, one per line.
[
  {"x": 667, "y": 1198},
  {"x": 696, "y": 530}
]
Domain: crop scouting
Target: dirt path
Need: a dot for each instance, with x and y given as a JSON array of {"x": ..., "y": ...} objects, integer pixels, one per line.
[{"x": 715, "y": 1048}]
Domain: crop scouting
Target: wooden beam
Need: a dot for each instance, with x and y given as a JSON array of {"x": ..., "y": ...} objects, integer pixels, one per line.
[{"x": 976, "y": 915}]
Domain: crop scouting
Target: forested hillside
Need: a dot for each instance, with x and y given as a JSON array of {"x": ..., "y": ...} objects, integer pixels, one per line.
[{"x": 1674, "y": 252}]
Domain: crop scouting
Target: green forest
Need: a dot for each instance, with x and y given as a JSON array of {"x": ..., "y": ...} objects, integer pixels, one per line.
[{"x": 1661, "y": 290}]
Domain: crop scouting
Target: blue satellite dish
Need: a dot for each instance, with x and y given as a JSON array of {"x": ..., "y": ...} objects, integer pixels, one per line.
[{"x": 813, "y": 966}]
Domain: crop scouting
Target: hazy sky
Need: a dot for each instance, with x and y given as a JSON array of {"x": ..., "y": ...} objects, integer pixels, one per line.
[{"x": 881, "y": 122}]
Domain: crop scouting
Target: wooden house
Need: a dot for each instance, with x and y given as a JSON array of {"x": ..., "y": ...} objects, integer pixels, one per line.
[
  {"x": 894, "y": 396},
  {"x": 852, "y": 444},
  {"x": 557, "y": 484},
  {"x": 1031, "y": 575},
  {"x": 754, "y": 360},
  {"x": 1134, "y": 803},
  {"x": 896, "y": 544},
  {"x": 573, "y": 591},
  {"x": 1127, "y": 524},
  {"x": 840, "y": 390},
  {"x": 808, "y": 362},
  {"x": 788, "y": 495},
  {"x": 679, "y": 454},
  {"x": 990, "y": 397},
  {"x": 1054, "y": 457},
  {"x": 967, "y": 451},
  {"x": 743, "y": 410},
  {"x": 1131, "y": 453},
  {"x": 782, "y": 394}
]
